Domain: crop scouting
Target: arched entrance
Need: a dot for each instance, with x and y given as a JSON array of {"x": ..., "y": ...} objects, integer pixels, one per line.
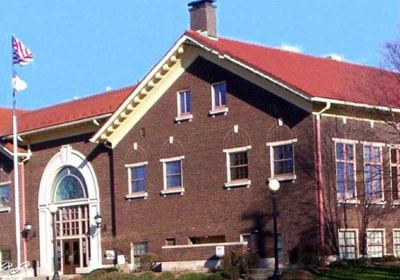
[{"x": 69, "y": 182}]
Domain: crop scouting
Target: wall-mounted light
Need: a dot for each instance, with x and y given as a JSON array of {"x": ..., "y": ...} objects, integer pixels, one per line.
[
  {"x": 98, "y": 219},
  {"x": 27, "y": 229}
]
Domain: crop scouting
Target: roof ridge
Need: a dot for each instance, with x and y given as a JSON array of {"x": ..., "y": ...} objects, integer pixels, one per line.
[
  {"x": 260, "y": 45},
  {"x": 114, "y": 91}
]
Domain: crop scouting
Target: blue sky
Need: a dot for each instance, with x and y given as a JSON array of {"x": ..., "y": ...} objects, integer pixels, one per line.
[{"x": 83, "y": 47}]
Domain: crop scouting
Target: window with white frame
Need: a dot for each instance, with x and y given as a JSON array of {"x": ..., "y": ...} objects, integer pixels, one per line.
[
  {"x": 139, "y": 249},
  {"x": 345, "y": 170},
  {"x": 237, "y": 167},
  {"x": 347, "y": 244},
  {"x": 395, "y": 172},
  {"x": 282, "y": 159},
  {"x": 137, "y": 180},
  {"x": 184, "y": 100},
  {"x": 396, "y": 243},
  {"x": 218, "y": 92},
  {"x": 4, "y": 195},
  {"x": 375, "y": 243},
  {"x": 246, "y": 238},
  {"x": 173, "y": 175},
  {"x": 373, "y": 172}
]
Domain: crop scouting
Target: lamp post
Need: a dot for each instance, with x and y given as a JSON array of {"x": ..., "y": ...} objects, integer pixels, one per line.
[
  {"x": 53, "y": 210},
  {"x": 274, "y": 186}
]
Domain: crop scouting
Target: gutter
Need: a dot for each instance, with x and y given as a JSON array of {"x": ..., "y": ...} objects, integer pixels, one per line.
[
  {"x": 318, "y": 162},
  {"x": 92, "y": 119}
]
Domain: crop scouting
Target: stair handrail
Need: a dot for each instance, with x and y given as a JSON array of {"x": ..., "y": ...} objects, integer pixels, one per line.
[
  {"x": 24, "y": 265},
  {"x": 6, "y": 265}
]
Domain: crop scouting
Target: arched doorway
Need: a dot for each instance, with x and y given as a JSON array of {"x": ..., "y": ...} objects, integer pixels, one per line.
[{"x": 69, "y": 182}]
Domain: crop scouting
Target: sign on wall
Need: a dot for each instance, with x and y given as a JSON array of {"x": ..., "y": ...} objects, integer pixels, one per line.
[
  {"x": 110, "y": 254},
  {"x": 220, "y": 251}
]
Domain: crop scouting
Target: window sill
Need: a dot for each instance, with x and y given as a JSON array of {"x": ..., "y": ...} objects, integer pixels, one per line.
[
  {"x": 285, "y": 177},
  {"x": 396, "y": 202},
  {"x": 238, "y": 184},
  {"x": 178, "y": 190},
  {"x": 217, "y": 111},
  {"x": 136, "y": 195},
  {"x": 183, "y": 118},
  {"x": 377, "y": 202},
  {"x": 203, "y": 245},
  {"x": 5, "y": 209},
  {"x": 348, "y": 201}
]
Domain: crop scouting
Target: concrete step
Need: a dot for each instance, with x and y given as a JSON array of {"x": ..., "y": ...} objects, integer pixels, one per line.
[{"x": 260, "y": 273}]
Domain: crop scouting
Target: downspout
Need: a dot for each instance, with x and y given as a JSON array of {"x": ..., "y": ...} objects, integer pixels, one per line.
[{"x": 319, "y": 191}]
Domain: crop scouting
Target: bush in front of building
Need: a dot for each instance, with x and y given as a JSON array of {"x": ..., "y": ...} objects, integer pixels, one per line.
[
  {"x": 148, "y": 261},
  {"x": 166, "y": 276},
  {"x": 238, "y": 263},
  {"x": 193, "y": 276}
]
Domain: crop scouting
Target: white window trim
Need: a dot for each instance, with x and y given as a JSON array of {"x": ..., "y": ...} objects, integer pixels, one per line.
[
  {"x": 336, "y": 141},
  {"x": 393, "y": 230},
  {"x": 235, "y": 183},
  {"x": 8, "y": 208},
  {"x": 271, "y": 146},
  {"x": 182, "y": 117},
  {"x": 220, "y": 110},
  {"x": 392, "y": 188},
  {"x": 166, "y": 191},
  {"x": 133, "y": 195},
  {"x": 356, "y": 233},
  {"x": 203, "y": 245},
  {"x": 383, "y": 235},
  {"x": 345, "y": 141},
  {"x": 380, "y": 200}
]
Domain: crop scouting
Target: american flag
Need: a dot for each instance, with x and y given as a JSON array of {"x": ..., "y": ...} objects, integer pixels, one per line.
[{"x": 21, "y": 54}]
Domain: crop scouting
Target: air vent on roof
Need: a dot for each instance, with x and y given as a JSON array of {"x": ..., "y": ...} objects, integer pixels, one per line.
[{"x": 335, "y": 57}]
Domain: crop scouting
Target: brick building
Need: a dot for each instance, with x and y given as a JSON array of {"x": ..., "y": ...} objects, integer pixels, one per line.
[{"x": 180, "y": 162}]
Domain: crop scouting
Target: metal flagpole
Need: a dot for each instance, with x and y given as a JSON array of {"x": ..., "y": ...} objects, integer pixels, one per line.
[{"x": 16, "y": 173}]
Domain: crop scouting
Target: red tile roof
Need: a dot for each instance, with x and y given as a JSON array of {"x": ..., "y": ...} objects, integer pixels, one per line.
[
  {"x": 96, "y": 105},
  {"x": 314, "y": 76}
]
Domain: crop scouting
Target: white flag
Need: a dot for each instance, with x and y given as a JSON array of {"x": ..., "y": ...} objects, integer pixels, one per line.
[{"x": 18, "y": 84}]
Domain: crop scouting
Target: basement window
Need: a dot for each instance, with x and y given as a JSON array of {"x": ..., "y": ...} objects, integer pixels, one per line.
[{"x": 207, "y": 239}]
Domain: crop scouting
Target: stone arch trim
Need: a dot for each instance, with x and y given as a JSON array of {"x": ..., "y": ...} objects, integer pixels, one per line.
[
  {"x": 234, "y": 139},
  {"x": 278, "y": 132},
  {"x": 67, "y": 157}
]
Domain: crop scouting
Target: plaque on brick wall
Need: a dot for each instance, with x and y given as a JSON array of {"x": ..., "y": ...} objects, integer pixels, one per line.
[
  {"x": 120, "y": 259},
  {"x": 110, "y": 254},
  {"x": 220, "y": 251}
]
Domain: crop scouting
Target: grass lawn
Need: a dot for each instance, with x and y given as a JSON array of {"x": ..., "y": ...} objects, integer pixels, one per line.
[{"x": 371, "y": 272}]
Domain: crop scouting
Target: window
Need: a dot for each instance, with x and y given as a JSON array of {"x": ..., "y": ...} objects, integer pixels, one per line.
[
  {"x": 375, "y": 243},
  {"x": 173, "y": 176},
  {"x": 139, "y": 249},
  {"x": 5, "y": 256},
  {"x": 347, "y": 244},
  {"x": 4, "y": 195},
  {"x": 170, "y": 241},
  {"x": 282, "y": 159},
  {"x": 184, "y": 106},
  {"x": 69, "y": 184},
  {"x": 207, "y": 239},
  {"x": 218, "y": 92},
  {"x": 373, "y": 172},
  {"x": 246, "y": 238},
  {"x": 237, "y": 167},
  {"x": 396, "y": 243},
  {"x": 345, "y": 170},
  {"x": 395, "y": 173},
  {"x": 137, "y": 180}
]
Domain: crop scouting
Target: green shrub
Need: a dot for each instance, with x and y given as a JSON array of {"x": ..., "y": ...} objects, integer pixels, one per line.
[
  {"x": 115, "y": 275},
  {"x": 193, "y": 276},
  {"x": 166, "y": 276},
  {"x": 146, "y": 276},
  {"x": 96, "y": 274},
  {"x": 217, "y": 276}
]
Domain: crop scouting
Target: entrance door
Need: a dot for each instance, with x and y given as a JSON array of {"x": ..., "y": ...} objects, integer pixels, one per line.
[{"x": 71, "y": 256}]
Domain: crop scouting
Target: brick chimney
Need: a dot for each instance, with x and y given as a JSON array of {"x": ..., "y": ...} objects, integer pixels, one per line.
[{"x": 203, "y": 17}]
